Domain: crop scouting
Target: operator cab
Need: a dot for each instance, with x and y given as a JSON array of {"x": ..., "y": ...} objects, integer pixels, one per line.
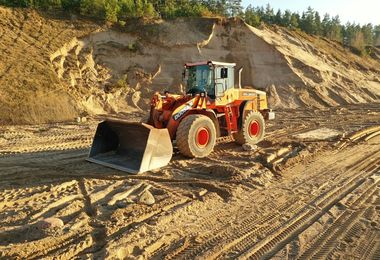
[{"x": 210, "y": 77}]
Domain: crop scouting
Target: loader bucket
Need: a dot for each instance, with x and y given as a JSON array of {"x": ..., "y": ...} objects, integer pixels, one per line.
[{"x": 130, "y": 147}]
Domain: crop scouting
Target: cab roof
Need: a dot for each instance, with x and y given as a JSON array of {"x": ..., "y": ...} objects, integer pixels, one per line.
[{"x": 217, "y": 63}]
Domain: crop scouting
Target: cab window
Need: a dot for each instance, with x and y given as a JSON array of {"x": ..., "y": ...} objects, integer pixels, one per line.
[
  {"x": 224, "y": 73},
  {"x": 200, "y": 78}
]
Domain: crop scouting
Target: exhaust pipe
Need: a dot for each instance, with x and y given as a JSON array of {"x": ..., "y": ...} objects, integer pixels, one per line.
[{"x": 240, "y": 71}]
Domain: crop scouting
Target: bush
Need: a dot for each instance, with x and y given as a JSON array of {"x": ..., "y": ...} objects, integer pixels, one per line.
[
  {"x": 40, "y": 4},
  {"x": 71, "y": 5},
  {"x": 111, "y": 9},
  {"x": 92, "y": 8},
  {"x": 47, "y": 4},
  {"x": 126, "y": 10},
  {"x": 17, "y": 3},
  {"x": 149, "y": 11}
]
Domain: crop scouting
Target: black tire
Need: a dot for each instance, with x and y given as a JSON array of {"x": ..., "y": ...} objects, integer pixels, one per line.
[
  {"x": 252, "y": 130},
  {"x": 191, "y": 136}
]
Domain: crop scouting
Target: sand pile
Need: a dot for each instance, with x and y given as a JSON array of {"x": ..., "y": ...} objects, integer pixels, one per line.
[
  {"x": 30, "y": 90},
  {"x": 76, "y": 67}
]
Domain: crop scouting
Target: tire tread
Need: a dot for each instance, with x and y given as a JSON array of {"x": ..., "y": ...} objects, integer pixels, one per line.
[{"x": 183, "y": 134}]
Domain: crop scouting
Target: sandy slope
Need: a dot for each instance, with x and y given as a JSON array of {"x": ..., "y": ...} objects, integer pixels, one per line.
[
  {"x": 55, "y": 69},
  {"x": 30, "y": 90},
  {"x": 317, "y": 196},
  {"x": 296, "y": 70}
]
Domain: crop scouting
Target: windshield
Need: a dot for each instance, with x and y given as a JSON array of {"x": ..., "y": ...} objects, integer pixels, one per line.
[{"x": 200, "y": 78}]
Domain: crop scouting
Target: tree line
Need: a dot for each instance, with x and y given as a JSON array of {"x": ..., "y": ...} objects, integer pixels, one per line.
[
  {"x": 119, "y": 10},
  {"x": 357, "y": 36},
  {"x": 310, "y": 21}
]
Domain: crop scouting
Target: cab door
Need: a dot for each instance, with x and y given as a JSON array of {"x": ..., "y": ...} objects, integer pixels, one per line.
[{"x": 221, "y": 80}]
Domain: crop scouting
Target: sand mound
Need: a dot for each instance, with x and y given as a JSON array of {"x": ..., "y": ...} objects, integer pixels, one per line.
[
  {"x": 328, "y": 74},
  {"x": 30, "y": 90},
  {"x": 76, "y": 67}
]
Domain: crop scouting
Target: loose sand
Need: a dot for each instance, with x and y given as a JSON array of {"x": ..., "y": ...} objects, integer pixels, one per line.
[{"x": 285, "y": 199}]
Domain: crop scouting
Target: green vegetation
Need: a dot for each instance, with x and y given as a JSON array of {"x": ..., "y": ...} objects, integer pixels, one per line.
[
  {"x": 358, "y": 37},
  {"x": 116, "y": 10}
]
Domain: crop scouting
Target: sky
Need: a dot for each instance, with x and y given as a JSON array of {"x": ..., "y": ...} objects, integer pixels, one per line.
[{"x": 363, "y": 11}]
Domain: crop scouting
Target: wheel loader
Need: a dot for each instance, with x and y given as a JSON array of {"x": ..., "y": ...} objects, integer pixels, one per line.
[{"x": 213, "y": 108}]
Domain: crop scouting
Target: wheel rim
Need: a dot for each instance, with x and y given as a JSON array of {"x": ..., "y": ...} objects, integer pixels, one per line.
[
  {"x": 202, "y": 137},
  {"x": 254, "y": 128}
]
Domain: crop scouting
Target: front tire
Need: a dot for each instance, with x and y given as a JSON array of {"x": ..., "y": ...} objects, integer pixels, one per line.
[
  {"x": 196, "y": 136},
  {"x": 252, "y": 130}
]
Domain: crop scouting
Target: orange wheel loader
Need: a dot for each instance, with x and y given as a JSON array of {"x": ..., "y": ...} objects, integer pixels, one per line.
[{"x": 213, "y": 108}]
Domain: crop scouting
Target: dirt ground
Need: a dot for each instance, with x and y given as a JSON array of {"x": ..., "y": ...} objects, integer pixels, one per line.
[{"x": 310, "y": 190}]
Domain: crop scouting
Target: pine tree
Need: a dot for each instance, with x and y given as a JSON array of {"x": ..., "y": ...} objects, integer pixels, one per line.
[
  {"x": 278, "y": 18},
  {"x": 326, "y": 25},
  {"x": 251, "y": 17},
  {"x": 367, "y": 31},
  {"x": 234, "y": 7},
  {"x": 220, "y": 8},
  {"x": 308, "y": 24},
  {"x": 286, "y": 19},
  {"x": 377, "y": 36},
  {"x": 358, "y": 42},
  {"x": 294, "y": 21},
  {"x": 318, "y": 24},
  {"x": 336, "y": 32},
  {"x": 268, "y": 15}
]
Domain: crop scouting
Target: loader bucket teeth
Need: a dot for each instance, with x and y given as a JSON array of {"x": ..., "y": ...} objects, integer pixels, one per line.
[{"x": 130, "y": 147}]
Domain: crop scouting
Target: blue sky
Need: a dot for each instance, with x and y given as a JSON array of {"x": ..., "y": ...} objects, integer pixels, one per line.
[{"x": 363, "y": 11}]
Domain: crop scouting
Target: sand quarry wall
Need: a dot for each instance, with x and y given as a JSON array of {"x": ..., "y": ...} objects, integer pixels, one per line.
[{"x": 55, "y": 69}]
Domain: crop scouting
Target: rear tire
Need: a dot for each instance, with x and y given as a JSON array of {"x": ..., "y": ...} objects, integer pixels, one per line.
[
  {"x": 196, "y": 136},
  {"x": 252, "y": 130}
]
